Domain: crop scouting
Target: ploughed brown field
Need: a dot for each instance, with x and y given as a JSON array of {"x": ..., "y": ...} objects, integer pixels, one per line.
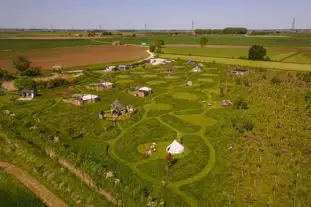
[{"x": 75, "y": 56}]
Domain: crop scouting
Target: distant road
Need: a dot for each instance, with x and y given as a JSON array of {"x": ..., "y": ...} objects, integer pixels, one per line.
[{"x": 33, "y": 185}]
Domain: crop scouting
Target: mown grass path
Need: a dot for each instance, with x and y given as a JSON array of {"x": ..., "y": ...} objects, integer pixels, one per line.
[{"x": 173, "y": 186}]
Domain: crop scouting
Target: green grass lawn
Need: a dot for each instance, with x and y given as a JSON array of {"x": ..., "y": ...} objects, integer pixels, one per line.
[{"x": 15, "y": 194}]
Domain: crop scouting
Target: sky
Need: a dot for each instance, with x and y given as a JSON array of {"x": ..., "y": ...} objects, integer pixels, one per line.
[{"x": 157, "y": 14}]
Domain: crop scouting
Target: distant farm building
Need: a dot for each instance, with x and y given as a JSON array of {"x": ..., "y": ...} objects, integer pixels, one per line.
[
  {"x": 123, "y": 67},
  {"x": 82, "y": 99},
  {"x": 143, "y": 91},
  {"x": 116, "y": 43},
  {"x": 117, "y": 108},
  {"x": 111, "y": 68},
  {"x": 159, "y": 61},
  {"x": 26, "y": 95},
  {"x": 240, "y": 72},
  {"x": 102, "y": 86}
]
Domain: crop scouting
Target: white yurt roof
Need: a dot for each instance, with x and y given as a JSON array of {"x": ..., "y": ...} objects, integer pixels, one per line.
[
  {"x": 145, "y": 89},
  {"x": 89, "y": 97},
  {"x": 175, "y": 148},
  {"x": 106, "y": 83}
]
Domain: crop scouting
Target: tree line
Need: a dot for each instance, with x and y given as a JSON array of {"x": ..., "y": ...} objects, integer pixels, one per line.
[{"x": 227, "y": 30}]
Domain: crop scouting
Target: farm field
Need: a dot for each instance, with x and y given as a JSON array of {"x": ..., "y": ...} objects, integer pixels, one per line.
[
  {"x": 274, "y": 54},
  {"x": 75, "y": 56},
  {"x": 11, "y": 45},
  {"x": 223, "y": 40},
  {"x": 233, "y": 155},
  {"x": 302, "y": 57},
  {"x": 15, "y": 194},
  {"x": 245, "y": 63}
]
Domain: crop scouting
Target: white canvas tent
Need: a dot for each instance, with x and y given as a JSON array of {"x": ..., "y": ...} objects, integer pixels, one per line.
[{"x": 175, "y": 148}]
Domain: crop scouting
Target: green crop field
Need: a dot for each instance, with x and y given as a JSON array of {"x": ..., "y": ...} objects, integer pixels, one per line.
[
  {"x": 14, "y": 194},
  {"x": 283, "y": 41},
  {"x": 274, "y": 54},
  {"x": 302, "y": 57},
  {"x": 252, "y": 153},
  {"x": 246, "y": 63}
]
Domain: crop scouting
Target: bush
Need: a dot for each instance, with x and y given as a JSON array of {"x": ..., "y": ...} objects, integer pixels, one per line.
[
  {"x": 275, "y": 80},
  {"x": 203, "y": 41},
  {"x": 53, "y": 83},
  {"x": 24, "y": 82},
  {"x": 240, "y": 103},
  {"x": 33, "y": 71},
  {"x": 22, "y": 63},
  {"x": 257, "y": 52},
  {"x": 4, "y": 75},
  {"x": 242, "y": 124}
]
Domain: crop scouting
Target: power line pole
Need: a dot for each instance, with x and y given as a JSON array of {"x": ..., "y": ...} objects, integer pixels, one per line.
[
  {"x": 294, "y": 24},
  {"x": 192, "y": 25}
]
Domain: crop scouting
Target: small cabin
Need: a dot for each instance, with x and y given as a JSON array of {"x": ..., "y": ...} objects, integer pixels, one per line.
[
  {"x": 82, "y": 99},
  {"x": 143, "y": 91},
  {"x": 102, "y": 86},
  {"x": 111, "y": 68},
  {"x": 27, "y": 94},
  {"x": 240, "y": 72},
  {"x": 117, "y": 108},
  {"x": 123, "y": 67}
]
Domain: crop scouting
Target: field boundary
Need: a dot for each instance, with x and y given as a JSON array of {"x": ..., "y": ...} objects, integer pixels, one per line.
[
  {"x": 246, "y": 63},
  {"x": 48, "y": 198}
]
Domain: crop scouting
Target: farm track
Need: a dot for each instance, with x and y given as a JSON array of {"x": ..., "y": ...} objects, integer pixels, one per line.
[{"x": 49, "y": 198}]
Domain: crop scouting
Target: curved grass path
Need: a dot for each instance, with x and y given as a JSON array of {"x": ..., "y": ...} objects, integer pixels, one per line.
[{"x": 173, "y": 186}]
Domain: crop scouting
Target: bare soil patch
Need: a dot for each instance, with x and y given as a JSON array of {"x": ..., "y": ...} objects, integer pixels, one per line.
[
  {"x": 75, "y": 56},
  {"x": 8, "y": 85},
  {"x": 32, "y": 184}
]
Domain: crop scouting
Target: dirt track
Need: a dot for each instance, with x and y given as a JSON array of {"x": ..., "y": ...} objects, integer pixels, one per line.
[
  {"x": 33, "y": 185},
  {"x": 75, "y": 56}
]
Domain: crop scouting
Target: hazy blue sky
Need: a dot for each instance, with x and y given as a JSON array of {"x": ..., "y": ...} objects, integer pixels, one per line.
[{"x": 157, "y": 14}]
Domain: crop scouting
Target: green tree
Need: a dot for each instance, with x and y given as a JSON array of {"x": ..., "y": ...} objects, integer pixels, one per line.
[
  {"x": 152, "y": 48},
  {"x": 24, "y": 82},
  {"x": 203, "y": 41},
  {"x": 257, "y": 52},
  {"x": 22, "y": 63},
  {"x": 33, "y": 71}
]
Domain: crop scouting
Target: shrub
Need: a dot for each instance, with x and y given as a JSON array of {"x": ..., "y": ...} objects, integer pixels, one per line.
[
  {"x": 33, "y": 71},
  {"x": 240, "y": 103},
  {"x": 242, "y": 124},
  {"x": 4, "y": 75},
  {"x": 24, "y": 82},
  {"x": 275, "y": 80},
  {"x": 257, "y": 52},
  {"x": 22, "y": 63},
  {"x": 203, "y": 41}
]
